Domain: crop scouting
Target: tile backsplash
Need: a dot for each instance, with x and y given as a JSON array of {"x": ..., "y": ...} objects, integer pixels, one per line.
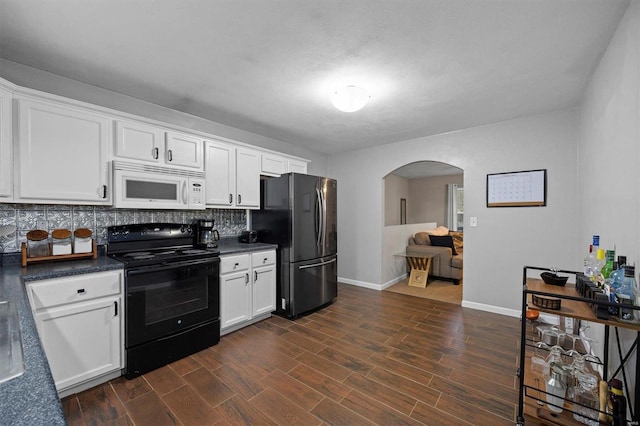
[{"x": 27, "y": 217}]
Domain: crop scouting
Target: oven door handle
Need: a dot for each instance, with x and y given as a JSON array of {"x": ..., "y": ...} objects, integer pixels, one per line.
[{"x": 169, "y": 266}]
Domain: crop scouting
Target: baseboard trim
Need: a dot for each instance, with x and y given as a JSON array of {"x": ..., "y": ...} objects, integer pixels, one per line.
[
  {"x": 394, "y": 281},
  {"x": 493, "y": 309},
  {"x": 364, "y": 284}
]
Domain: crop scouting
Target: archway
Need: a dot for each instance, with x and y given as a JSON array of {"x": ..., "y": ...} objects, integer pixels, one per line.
[{"x": 419, "y": 196}]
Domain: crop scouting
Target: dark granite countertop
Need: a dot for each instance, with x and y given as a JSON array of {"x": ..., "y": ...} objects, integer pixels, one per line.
[
  {"x": 32, "y": 399},
  {"x": 231, "y": 246}
]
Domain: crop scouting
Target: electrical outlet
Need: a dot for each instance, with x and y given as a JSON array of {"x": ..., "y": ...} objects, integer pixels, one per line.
[{"x": 42, "y": 224}]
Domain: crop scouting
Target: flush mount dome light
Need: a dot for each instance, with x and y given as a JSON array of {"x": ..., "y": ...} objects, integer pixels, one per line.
[{"x": 350, "y": 98}]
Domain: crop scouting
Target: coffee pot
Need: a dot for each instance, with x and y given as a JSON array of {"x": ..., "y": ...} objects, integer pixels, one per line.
[{"x": 206, "y": 236}]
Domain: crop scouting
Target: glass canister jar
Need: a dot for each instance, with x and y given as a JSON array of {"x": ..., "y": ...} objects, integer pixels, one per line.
[
  {"x": 60, "y": 242},
  {"x": 37, "y": 243},
  {"x": 82, "y": 241}
]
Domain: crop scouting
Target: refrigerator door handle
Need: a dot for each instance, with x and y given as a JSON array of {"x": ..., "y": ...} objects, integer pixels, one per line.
[
  {"x": 319, "y": 217},
  {"x": 324, "y": 221},
  {"x": 317, "y": 264}
]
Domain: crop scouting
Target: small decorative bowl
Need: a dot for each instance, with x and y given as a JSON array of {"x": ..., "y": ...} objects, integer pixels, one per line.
[
  {"x": 546, "y": 302},
  {"x": 553, "y": 279}
]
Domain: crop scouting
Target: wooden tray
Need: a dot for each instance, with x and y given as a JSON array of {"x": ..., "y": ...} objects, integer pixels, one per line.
[{"x": 93, "y": 254}]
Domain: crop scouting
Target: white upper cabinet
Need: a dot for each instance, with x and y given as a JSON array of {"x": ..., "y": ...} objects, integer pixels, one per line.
[
  {"x": 61, "y": 154},
  {"x": 220, "y": 174},
  {"x": 145, "y": 142},
  {"x": 139, "y": 141},
  {"x": 184, "y": 150},
  {"x": 232, "y": 176},
  {"x": 273, "y": 165},
  {"x": 247, "y": 178},
  {"x": 297, "y": 166},
  {"x": 6, "y": 155}
]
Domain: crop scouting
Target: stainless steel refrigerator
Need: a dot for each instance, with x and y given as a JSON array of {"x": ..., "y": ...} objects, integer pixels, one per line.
[{"x": 299, "y": 213}]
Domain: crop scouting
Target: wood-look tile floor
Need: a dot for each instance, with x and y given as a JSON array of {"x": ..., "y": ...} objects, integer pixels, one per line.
[{"x": 372, "y": 357}]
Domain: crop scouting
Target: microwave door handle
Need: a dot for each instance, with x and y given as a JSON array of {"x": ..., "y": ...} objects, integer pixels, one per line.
[{"x": 185, "y": 198}]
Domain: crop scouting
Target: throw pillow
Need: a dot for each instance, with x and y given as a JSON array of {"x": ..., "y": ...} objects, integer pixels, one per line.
[
  {"x": 443, "y": 241},
  {"x": 422, "y": 238},
  {"x": 457, "y": 240},
  {"x": 440, "y": 230}
]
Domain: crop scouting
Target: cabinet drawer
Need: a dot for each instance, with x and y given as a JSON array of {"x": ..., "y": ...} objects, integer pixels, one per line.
[
  {"x": 77, "y": 288},
  {"x": 234, "y": 263},
  {"x": 263, "y": 258}
]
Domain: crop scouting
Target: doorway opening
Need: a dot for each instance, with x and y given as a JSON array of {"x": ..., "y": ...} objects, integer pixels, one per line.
[{"x": 418, "y": 197}]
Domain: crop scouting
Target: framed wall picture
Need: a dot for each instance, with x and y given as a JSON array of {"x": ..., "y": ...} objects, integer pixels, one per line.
[{"x": 517, "y": 189}]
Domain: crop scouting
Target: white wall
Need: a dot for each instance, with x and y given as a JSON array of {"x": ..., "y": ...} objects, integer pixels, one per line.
[
  {"x": 506, "y": 239},
  {"x": 429, "y": 198},
  {"x": 51, "y": 83},
  {"x": 394, "y": 240},
  {"x": 395, "y": 188},
  {"x": 609, "y": 155}
]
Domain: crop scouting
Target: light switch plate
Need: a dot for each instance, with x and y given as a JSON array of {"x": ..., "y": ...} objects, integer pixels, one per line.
[{"x": 473, "y": 221}]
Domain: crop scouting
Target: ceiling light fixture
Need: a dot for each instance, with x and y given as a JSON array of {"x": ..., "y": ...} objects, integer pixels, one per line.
[{"x": 350, "y": 98}]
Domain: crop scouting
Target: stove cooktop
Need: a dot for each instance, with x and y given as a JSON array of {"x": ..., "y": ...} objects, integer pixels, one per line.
[{"x": 164, "y": 255}]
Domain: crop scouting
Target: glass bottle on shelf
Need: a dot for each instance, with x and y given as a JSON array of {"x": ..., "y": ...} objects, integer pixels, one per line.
[
  {"x": 586, "y": 400},
  {"x": 607, "y": 269},
  {"x": 617, "y": 404},
  {"x": 616, "y": 278},
  {"x": 625, "y": 294},
  {"x": 597, "y": 275},
  {"x": 555, "y": 388},
  {"x": 588, "y": 261}
]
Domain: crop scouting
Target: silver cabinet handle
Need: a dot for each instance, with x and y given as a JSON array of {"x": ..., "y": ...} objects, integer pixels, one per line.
[
  {"x": 230, "y": 198},
  {"x": 155, "y": 153},
  {"x": 255, "y": 276},
  {"x": 170, "y": 155},
  {"x": 246, "y": 279}
]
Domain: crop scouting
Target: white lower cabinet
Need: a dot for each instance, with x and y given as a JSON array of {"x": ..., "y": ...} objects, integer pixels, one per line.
[
  {"x": 247, "y": 289},
  {"x": 80, "y": 324}
]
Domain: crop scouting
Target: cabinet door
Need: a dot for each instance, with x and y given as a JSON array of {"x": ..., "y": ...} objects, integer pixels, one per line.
[
  {"x": 247, "y": 179},
  {"x": 6, "y": 156},
  {"x": 62, "y": 154},
  {"x": 297, "y": 166},
  {"x": 220, "y": 172},
  {"x": 81, "y": 340},
  {"x": 264, "y": 290},
  {"x": 273, "y": 165},
  {"x": 235, "y": 299},
  {"x": 184, "y": 150},
  {"x": 139, "y": 141}
]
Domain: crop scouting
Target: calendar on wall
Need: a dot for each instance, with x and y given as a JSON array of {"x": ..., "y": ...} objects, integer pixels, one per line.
[{"x": 517, "y": 189}]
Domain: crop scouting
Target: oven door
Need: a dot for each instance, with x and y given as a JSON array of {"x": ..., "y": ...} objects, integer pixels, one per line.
[{"x": 166, "y": 299}]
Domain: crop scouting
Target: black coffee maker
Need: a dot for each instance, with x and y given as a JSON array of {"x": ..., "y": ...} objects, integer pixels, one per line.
[{"x": 206, "y": 236}]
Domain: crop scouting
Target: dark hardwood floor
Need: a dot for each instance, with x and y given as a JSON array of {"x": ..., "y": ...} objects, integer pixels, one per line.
[{"x": 370, "y": 358}]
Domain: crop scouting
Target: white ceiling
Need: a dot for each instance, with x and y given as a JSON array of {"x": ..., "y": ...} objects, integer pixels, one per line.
[{"x": 269, "y": 66}]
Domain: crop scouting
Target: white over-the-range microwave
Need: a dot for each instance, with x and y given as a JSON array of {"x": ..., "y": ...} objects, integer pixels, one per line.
[{"x": 142, "y": 186}]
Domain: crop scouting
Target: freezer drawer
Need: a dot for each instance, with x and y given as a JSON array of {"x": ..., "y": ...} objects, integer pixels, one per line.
[{"x": 308, "y": 285}]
